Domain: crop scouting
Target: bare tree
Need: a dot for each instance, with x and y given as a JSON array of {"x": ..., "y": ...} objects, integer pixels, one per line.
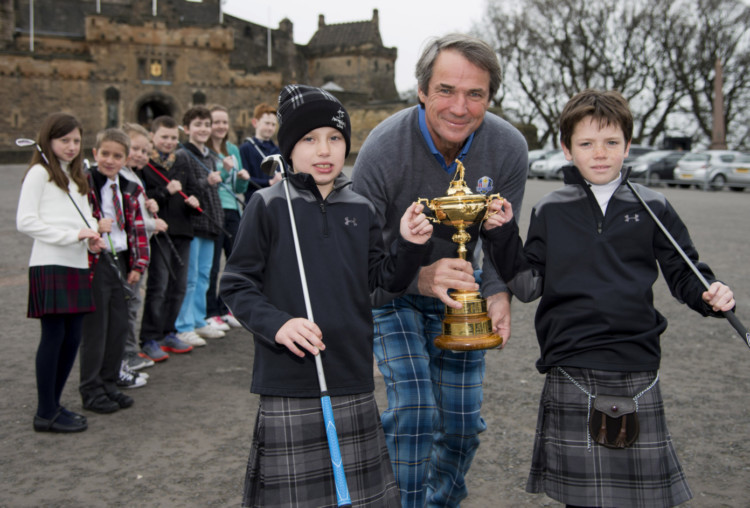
[
  {"x": 705, "y": 31},
  {"x": 658, "y": 53}
]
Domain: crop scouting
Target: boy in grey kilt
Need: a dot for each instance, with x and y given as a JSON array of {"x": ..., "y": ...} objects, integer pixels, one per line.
[
  {"x": 592, "y": 254},
  {"x": 345, "y": 260}
]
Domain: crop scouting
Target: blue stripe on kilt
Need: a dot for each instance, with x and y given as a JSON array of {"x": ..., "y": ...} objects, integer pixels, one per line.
[{"x": 290, "y": 464}]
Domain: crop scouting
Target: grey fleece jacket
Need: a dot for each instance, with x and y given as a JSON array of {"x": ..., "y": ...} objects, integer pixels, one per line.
[{"x": 395, "y": 167}]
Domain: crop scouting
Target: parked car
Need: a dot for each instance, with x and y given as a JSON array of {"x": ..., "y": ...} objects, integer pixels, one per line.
[
  {"x": 635, "y": 152},
  {"x": 735, "y": 175},
  {"x": 657, "y": 165},
  {"x": 550, "y": 166},
  {"x": 535, "y": 155},
  {"x": 695, "y": 167}
]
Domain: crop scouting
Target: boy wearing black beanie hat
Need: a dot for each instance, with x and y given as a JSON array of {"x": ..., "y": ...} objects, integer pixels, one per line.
[{"x": 345, "y": 260}]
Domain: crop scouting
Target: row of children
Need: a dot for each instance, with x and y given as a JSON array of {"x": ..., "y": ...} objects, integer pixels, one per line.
[{"x": 145, "y": 207}]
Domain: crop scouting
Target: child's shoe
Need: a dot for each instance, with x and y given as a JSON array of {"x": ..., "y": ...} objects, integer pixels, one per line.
[
  {"x": 229, "y": 319},
  {"x": 209, "y": 332},
  {"x": 172, "y": 344},
  {"x": 191, "y": 338},
  {"x": 217, "y": 323},
  {"x": 152, "y": 350}
]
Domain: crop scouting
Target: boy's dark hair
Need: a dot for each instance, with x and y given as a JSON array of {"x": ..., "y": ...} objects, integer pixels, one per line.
[
  {"x": 263, "y": 109},
  {"x": 201, "y": 112},
  {"x": 114, "y": 135},
  {"x": 165, "y": 121},
  {"x": 608, "y": 108}
]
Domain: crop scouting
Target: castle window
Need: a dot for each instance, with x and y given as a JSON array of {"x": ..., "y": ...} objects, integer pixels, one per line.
[
  {"x": 199, "y": 98},
  {"x": 142, "y": 71},
  {"x": 375, "y": 65},
  {"x": 112, "y": 99},
  {"x": 348, "y": 63}
]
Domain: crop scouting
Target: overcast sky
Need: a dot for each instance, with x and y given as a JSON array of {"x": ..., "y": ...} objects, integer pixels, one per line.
[{"x": 403, "y": 23}]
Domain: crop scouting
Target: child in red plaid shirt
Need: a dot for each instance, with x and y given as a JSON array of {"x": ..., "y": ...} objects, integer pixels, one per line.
[{"x": 114, "y": 202}]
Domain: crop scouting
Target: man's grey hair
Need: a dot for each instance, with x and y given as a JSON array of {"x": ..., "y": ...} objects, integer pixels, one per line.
[{"x": 474, "y": 50}]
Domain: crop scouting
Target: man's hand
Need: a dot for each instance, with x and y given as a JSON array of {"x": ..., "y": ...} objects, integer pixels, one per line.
[
  {"x": 498, "y": 309},
  {"x": 448, "y": 273}
]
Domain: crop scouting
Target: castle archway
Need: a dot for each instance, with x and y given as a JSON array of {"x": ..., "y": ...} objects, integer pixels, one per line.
[{"x": 155, "y": 105}]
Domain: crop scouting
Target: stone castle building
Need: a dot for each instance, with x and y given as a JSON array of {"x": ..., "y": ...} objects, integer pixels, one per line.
[{"x": 115, "y": 61}]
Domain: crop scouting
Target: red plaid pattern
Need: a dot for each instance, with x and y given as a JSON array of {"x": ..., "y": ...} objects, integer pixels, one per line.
[
  {"x": 134, "y": 226},
  {"x": 118, "y": 209}
]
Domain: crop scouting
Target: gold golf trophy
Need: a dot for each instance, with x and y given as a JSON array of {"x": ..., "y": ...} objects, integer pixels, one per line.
[{"x": 469, "y": 327}]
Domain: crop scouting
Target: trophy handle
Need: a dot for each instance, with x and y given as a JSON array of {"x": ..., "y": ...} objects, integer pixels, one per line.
[
  {"x": 428, "y": 205},
  {"x": 490, "y": 198}
]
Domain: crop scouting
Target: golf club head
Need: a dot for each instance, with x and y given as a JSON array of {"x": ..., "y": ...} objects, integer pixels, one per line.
[
  {"x": 24, "y": 142},
  {"x": 272, "y": 163}
]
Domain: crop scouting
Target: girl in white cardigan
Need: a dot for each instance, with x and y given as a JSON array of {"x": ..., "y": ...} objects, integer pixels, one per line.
[{"x": 53, "y": 209}]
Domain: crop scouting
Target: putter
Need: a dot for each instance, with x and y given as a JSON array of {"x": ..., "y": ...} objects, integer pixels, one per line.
[
  {"x": 272, "y": 162},
  {"x": 731, "y": 317}
]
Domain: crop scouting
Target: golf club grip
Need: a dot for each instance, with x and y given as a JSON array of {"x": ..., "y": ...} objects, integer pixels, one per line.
[
  {"x": 735, "y": 322},
  {"x": 342, "y": 490}
]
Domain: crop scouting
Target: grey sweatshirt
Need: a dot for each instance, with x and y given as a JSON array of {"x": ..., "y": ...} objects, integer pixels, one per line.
[{"x": 395, "y": 167}]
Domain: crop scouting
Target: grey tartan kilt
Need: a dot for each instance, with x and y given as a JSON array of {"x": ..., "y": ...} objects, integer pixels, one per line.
[
  {"x": 290, "y": 465},
  {"x": 563, "y": 466}
]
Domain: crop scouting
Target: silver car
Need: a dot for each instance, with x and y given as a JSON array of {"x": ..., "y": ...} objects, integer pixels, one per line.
[
  {"x": 735, "y": 175},
  {"x": 550, "y": 166},
  {"x": 695, "y": 167}
]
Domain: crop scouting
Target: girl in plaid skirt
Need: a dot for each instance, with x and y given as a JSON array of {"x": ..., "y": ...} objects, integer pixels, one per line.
[
  {"x": 592, "y": 254},
  {"x": 50, "y": 208}
]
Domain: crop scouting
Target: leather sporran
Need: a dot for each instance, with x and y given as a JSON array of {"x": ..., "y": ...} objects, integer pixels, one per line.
[{"x": 614, "y": 421}]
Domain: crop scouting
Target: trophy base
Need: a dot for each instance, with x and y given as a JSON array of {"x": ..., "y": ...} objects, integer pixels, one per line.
[
  {"x": 468, "y": 328},
  {"x": 467, "y": 343}
]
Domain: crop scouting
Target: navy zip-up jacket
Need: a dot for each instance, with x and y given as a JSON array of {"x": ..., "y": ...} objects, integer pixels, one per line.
[
  {"x": 595, "y": 274},
  {"x": 344, "y": 260}
]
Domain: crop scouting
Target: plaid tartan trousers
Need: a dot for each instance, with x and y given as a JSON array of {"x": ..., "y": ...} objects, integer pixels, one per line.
[{"x": 433, "y": 419}]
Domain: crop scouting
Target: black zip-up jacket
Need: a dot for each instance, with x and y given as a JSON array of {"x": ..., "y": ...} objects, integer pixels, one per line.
[
  {"x": 344, "y": 261},
  {"x": 199, "y": 165},
  {"x": 595, "y": 274},
  {"x": 172, "y": 207}
]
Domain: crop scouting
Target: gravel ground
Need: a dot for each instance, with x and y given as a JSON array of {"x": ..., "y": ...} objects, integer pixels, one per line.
[{"x": 186, "y": 440}]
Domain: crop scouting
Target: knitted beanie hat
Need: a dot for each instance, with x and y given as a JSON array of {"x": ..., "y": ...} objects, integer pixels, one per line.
[{"x": 304, "y": 108}]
